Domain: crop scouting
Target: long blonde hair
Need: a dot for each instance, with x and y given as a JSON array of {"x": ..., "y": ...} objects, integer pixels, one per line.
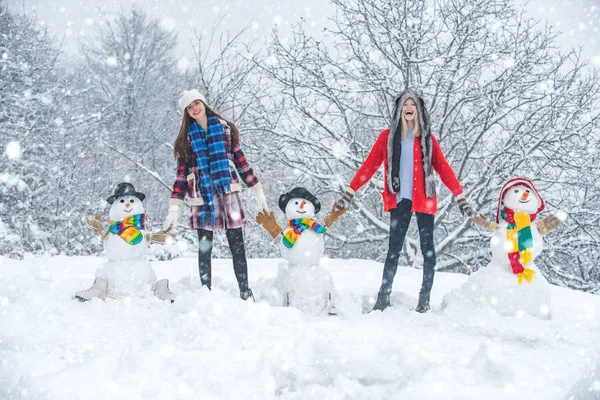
[{"x": 416, "y": 130}]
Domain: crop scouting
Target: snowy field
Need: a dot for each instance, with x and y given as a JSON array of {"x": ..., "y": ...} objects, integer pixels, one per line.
[{"x": 212, "y": 345}]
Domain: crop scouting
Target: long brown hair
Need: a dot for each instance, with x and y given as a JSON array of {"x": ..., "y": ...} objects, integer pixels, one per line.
[{"x": 182, "y": 148}]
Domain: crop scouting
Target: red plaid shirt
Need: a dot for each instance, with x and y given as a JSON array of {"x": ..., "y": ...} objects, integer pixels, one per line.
[{"x": 183, "y": 186}]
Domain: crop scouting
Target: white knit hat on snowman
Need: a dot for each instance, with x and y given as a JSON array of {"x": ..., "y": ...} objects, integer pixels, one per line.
[{"x": 188, "y": 97}]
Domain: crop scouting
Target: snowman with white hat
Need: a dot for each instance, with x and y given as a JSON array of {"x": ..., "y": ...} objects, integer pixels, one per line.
[
  {"x": 127, "y": 271},
  {"x": 512, "y": 283},
  {"x": 303, "y": 282}
]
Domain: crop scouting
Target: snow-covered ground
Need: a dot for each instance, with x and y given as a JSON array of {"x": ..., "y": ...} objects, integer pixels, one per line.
[{"x": 212, "y": 345}]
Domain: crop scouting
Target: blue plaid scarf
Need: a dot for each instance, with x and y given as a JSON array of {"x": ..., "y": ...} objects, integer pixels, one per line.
[{"x": 213, "y": 165}]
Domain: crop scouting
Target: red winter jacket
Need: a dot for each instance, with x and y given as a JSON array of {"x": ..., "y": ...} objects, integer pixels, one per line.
[{"x": 420, "y": 203}]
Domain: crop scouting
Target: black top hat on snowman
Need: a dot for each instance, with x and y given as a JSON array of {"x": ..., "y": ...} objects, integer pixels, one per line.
[
  {"x": 299, "y": 193},
  {"x": 125, "y": 189}
]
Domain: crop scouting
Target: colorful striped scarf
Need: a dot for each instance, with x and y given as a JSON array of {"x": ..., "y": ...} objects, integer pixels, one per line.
[
  {"x": 129, "y": 228},
  {"x": 297, "y": 226},
  {"x": 213, "y": 165},
  {"x": 518, "y": 233}
]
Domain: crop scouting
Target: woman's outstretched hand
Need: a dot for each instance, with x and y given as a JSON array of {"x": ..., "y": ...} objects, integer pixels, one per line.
[
  {"x": 344, "y": 202},
  {"x": 464, "y": 206},
  {"x": 259, "y": 196},
  {"x": 172, "y": 217}
]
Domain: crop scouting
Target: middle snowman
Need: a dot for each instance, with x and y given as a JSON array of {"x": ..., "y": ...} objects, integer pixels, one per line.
[{"x": 303, "y": 282}]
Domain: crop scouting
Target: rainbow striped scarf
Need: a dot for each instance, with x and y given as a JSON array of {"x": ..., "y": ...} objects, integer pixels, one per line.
[
  {"x": 129, "y": 228},
  {"x": 297, "y": 226},
  {"x": 518, "y": 233}
]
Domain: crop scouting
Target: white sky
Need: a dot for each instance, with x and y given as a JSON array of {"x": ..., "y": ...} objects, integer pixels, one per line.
[{"x": 75, "y": 19}]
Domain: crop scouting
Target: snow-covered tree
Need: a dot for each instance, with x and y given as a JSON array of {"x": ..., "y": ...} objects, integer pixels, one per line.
[
  {"x": 128, "y": 98},
  {"x": 504, "y": 102},
  {"x": 33, "y": 138}
]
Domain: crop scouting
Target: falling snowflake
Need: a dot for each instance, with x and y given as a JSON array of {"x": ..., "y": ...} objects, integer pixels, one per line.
[{"x": 13, "y": 150}]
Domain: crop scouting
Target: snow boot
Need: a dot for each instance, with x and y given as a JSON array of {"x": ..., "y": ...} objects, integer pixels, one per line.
[
  {"x": 423, "y": 304},
  {"x": 331, "y": 310},
  {"x": 162, "y": 291},
  {"x": 98, "y": 290},
  {"x": 383, "y": 301},
  {"x": 246, "y": 294}
]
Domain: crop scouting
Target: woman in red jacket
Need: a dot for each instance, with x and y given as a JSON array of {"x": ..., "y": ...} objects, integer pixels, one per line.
[{"x": 410, "y": 154}]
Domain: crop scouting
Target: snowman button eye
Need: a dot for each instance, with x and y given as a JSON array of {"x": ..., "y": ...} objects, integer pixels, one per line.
[
  {"x": 122, "y": 201},
  {"x": 131, "y": 201},
  {"x": 296, "y": 202},
  {"x": 516, "y": 190}
]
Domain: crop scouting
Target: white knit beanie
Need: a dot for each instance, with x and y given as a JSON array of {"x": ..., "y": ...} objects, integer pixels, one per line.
[{"x": 188, "y": 97}]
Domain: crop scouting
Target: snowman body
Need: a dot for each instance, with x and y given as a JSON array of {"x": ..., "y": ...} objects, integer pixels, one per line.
[
  {"x": 497, "y": 285},
  {"x": 499, "y": 247},
  {"x": 127, "y": 269},
  {"x": 302, "y": 279},
  {"x": 307, "y": 250}
]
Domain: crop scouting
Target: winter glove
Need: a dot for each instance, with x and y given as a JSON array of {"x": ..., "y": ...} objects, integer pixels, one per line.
[
  {"x": 160, "y": 237},
  {"x": 549, "y": 224},
  {"x": 269, "y": 222},
  {"x": 259, "y": 195},
  {"x": 96, "y": 225},
  {"x": 344, "y": 202},
  {"x": 481, "y": 220},
  {"x": 334, "y": 215},
  {"x": 464, "y": 207},
  {"x": 172, "y": 217}
]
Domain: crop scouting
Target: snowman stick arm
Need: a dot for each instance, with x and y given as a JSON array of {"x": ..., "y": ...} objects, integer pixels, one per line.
[
  {"x": 95, "y": 224},
  {"x": 481, "y": 220},
  {"x": 334, "y": 216},
  {"x": 548, "y": 224},
  {"x": 269, "y": 222},
  {"x": 274, "y": 229},
  {"x": 159, "y": 237}
]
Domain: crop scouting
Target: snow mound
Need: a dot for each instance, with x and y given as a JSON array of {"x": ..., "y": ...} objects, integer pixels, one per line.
[
  {"x": 212, "y": 345},
  {"x": 493, "y": 289},
  {"x": 307, "y": 287}
]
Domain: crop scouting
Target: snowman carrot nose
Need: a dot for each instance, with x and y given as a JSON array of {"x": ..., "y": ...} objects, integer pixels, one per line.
[
  {"x": 524, "y": 196},
  {"x": 302, "y": 204},
  {"x": 127, "y": 205}
]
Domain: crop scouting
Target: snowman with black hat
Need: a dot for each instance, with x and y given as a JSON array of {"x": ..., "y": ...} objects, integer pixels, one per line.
[
  {"x": 303, "y": 281},
  {"x": 127, "y": 271}
]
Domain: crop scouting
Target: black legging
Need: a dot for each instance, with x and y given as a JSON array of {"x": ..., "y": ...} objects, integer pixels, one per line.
[
  {"x": 400, "y": 219},
  {"x": 235, "y": 238}
]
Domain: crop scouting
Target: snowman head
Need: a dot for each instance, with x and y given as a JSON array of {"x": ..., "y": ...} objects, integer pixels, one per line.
[
  {"x": 522, "y": 198},
  {"x": 125, "y": 206},
  {"x": 125, "y": 202},
  {"x": 519, "y": 195},
  {"x": 299, "y": 203},
  {"x": 298, "y": 207}
]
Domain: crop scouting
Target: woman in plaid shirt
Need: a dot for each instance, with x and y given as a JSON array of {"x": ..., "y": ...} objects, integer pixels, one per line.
[{"x": 210, "y": 166}]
